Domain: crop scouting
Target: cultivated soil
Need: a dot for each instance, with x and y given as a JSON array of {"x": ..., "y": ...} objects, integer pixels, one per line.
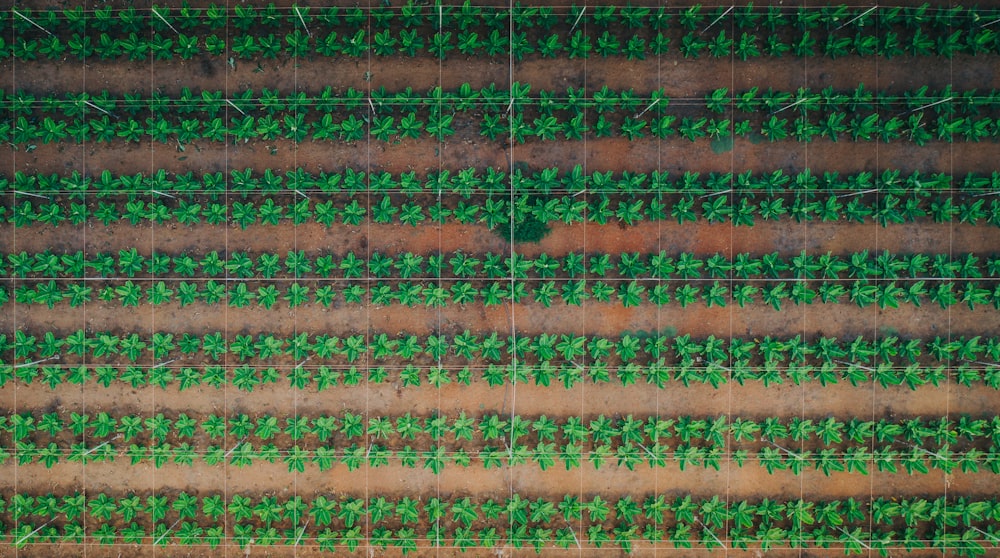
[{"x": 680, "y": 78}]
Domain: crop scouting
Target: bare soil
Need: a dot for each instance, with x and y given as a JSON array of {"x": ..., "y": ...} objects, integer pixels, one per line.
[{"x": 680, "y": 78}]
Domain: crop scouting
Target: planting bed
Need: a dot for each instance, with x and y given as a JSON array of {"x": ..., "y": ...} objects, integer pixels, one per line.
[{"x": 412, "y": 278}]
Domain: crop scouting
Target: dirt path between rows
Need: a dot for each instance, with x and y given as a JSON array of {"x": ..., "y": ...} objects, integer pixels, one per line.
[
  {"x": 752, "y": 400},
  {"x": 748, "y": 482},
  {"x": 468, "y": 149},
  {"x": 681, "y": 78},
  {"x": 594, "y": 318},
  {"x": 648, "y": 237}
]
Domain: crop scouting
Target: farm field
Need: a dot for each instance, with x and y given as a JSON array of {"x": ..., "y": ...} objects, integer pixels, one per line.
[{"x": 446, "y": 278}]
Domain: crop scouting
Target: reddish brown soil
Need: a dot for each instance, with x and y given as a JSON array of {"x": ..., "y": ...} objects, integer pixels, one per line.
[{"x": 466, "y": 149}]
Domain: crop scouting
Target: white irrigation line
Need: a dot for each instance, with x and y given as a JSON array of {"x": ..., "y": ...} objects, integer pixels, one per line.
[
  {"x": 238, "y": 444},
  {"x": 715, "y": 194},
  {"x": 990, "y": 23},
  {"x": 95, "y": 448},
  {"x": 23, "y": 193},
  {"x": 937, "y": 455},
  {"x": 929, "y": 105},
  {"x": 56, "y": 357},
  {"x": 299, "y": 192},
  {"x": 857, "y": 193},
  {"x": 303, "y": 20},
  {"x": 573, "y": 532},
  {"x": 26, "y": 18},
  {"x": 710, "y": 532},
  {"x": 157, "y": 541},
  {"x": 96, "y": 107},
  {"x": 510, "y": 106},
  {"x": 163, "y": 194},
  {"x": 987, "y": 194},
  {"x": 651, "y": 105},
  {"x": 802, "y": 100},
  {"x": 859, "y": 16},
  {"x": 300, "y": 534},
  {"x": 580, "y": 15},
  {"x": 163, "y": 364},
  {"x": 994, "y": 537},
  {"x": 842, "y": 530},
  {"x": 157, "y": 14},
  {"x": 867, "y": 368},
  {"x": 24, "y": 538},
  {"x": 788, "y": 451},
  {"x": 371, "y": 104},
  {"x": 717, "y": 19},
  {"x": 236, "y": 107},
  {"x": 651, "y": 454}
]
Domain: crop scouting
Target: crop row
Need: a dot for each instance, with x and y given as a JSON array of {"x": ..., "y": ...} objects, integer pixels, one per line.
[
  {"x": 854, "y": 459},
  {"x": 496, "y": 348},
  {"x": 519, "y": 119},
  {"x": 499, "y": 213},
  {"x": 246, "y": 378},
  {"x": 489, "y": 265},
  {"x": 964, "y": 525},
  {"x": 833, "y": 31},
  {"x": 441, "y": 293},
  {"x": 468, "y": 15},
  {"x": 851, "y": 364},
  {"x": 39, "y": 428},
  {"x": 472, "y": 181}
]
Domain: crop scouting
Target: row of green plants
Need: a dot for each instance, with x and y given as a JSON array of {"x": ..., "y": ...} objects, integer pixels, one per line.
[
  {"x": 471, "y": 181},
  {"x": 871, "y": 127},
  {"x": 415, "y": 14},
  {"x": 247, "y": 378},
  {"x": 518, "y": 120},
  {"x": 859, "y": 459},
  {"x": 489, "y": 265},
  {"x": 442, "y": 293},
  {"x": 41, "y": 428},
  {"x": 500, "y": 213},
  {"x": 834, "y": 31},
  {"x": 506, "y": 102},
  {"x": 966, "y": 526},
  {"x": 640, "y": 347}
]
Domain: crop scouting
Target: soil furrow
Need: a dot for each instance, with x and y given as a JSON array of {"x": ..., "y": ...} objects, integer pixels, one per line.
[
  {"x": 681, "y": 78},
  {"x": 751, "y": 400},
  {"x": 648, "y": 237},
  {"x": 467, "y": 148},
  {"x": 593, "y": 318},
  {"x": 747, "y": 482}
]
